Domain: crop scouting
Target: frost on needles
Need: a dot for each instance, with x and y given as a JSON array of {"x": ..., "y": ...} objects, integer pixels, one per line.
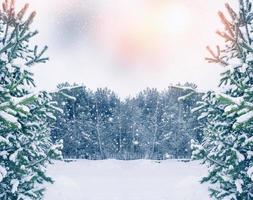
[
  {"x": 227, "y": 148},
  {"x": 25, "y": 145}
]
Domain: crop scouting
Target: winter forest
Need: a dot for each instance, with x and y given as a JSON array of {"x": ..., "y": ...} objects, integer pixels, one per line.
[
  {"x": 180, "y": 142},
  {"x": 153, "y": 125}
]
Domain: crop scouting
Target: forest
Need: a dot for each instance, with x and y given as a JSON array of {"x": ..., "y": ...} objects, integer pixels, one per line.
[{"x": 152, "y": 125}]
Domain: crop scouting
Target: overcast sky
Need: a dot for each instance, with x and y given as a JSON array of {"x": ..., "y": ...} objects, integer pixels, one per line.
[{"x": 127, "y": 45}]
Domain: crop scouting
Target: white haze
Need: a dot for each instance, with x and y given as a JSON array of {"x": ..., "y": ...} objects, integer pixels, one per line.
[{"x": 76, "y": 55}]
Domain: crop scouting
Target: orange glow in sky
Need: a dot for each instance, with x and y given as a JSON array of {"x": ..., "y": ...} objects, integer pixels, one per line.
[{"x": 143, "y": 35}]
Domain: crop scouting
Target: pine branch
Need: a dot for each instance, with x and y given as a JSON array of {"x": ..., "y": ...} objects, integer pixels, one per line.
[
  {"x": 215, "y": 56},
  {"x": 245, "y": 20}
]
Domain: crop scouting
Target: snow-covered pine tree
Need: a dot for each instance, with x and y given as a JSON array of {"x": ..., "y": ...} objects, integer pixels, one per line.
[
  {"x": 227, "y": 148},
  {"x": 25, "y": 146}
]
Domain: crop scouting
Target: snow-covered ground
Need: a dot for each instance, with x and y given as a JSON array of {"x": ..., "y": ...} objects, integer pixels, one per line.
[{"x": 126, "y": 180}]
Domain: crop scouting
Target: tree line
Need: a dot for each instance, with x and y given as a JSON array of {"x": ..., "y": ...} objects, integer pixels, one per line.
[{"x": 151, "y": 125}]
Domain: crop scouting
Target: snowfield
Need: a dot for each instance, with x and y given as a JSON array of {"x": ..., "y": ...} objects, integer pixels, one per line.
[{"x": 126, "y": 180}]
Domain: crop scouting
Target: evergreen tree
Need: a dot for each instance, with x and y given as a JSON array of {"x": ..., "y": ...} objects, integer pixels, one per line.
[
  {"x": 25, "y": 145},
  {"x": 149, "y": 105},
  {"x": 102, "y": 119},
  {"x": 227, "y": 148},
  {"x": 75, "y": 126},
  {"x": 130, "y": 115}
]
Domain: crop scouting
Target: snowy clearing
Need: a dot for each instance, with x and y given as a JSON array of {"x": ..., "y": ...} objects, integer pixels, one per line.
[{"x": 126, "y": 180}]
